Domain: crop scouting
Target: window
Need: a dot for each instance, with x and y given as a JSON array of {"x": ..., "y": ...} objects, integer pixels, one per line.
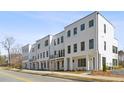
[
  {"x": 63, "y": 53},
  {"x": 82, "y": 46},
  {"x": 46, "y": 43},
  {"x": 91, "y": 23},
  {"x": 58, "y": 41},
  {"x": 54, "y": 52},
  {"x": 40, "y": 55},
  {"x": 38, "y": 46},
  {"x": 104, "y": 45},
  {"x": 47, "y": 53},
  {"x": 43, "y": 54},
  {"x": 104, "y": 28},
  {"x": 75, "y": 30},
  {"x": 54, "y": 42},
  {"x": 62, "y": 39},
  {"x": 69, "y": 49},
  {"x": 62, "y": 63},
  {"x": 33, "y": 49},
  {"x": 91, "y": 44},
  {"x": 69, "y": 33},
  {"x": 114, "y": 62},
  {"x": 82, "y": 62},
  {"x": 115, "y": 49},
  {"x": 59, "y": 53},
  {"x": 75, "y": 47},
  {"x": 82, "y": 27},
  {"x": 44, "y": 64}
]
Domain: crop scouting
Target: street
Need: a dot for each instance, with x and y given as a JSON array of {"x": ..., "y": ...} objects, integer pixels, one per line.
[{"x": 11, "y": 76}]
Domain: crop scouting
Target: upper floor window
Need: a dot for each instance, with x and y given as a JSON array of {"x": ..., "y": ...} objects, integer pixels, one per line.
[
  {"x": 82, "y": 46},
  {"x": 114, "y": 49},
  {"x": 91, "y": 44},
  {"x": 91, "y": 23},
  {"x": 33, "y": 49},
  {"x": 59, "y": 53},
  {"x": 69, "y": 49},
  {"x": 69, "y": 33},
  {"x": 62, "y": 39},
  {"x": 75, "y": 47},
  {"x": 82, "y": 27},
  {"x": 38, "y": 46},
  {"x": 40, "y": 55},
  {"x": 43, "y": 54},
  {"x": 104, "y": 28},
  {"x": 58, "y": 41},
  {"x": 46, "y": 43},
  {"x": 47, "y": 53},
  {"x": 54, "y": 52},
  {"x": 54, "y": 42},
  {"x": 104, "y": 45},
  {"x": 75, "y": 30}
]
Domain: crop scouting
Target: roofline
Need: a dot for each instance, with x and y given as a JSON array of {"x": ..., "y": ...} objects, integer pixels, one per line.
[
  {"x": 25, "y": 45},
  {"x": 81, "y": 18},
  {"x": 97, "y": 12},
  {"x": 106, "y": 19},
  {"x": 59, "y": 33},
  {"x": 43, "y": 38}
]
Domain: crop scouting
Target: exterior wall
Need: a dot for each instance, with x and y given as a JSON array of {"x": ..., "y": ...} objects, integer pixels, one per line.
[
  {"x": 43, "y": 49},
  {"x": 92, "y": 57},
  {"x": 58, "y": 47},
  {"x": 85, "y": 35},
  {"x": 26, "y": 56},
  {"x": 109, "y": 38}
]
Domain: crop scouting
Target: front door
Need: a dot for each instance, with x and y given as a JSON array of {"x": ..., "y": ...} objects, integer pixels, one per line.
[
  {"x": 68, "y": 63},
  {"x": 94, "y": 63},
  {"x": 58, "y": 65}
]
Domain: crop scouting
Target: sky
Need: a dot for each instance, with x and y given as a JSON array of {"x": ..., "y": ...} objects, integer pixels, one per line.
[{"x": 27, "y": 27}]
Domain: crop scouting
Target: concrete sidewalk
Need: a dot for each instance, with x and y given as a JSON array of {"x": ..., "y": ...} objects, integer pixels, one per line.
[{"x": 74, "y": 76}]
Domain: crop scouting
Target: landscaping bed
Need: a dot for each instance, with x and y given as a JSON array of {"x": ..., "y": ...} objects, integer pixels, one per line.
[{"x": 107, "y": 73}]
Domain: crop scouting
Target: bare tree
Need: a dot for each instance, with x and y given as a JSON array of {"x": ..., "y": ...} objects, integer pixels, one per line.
[
  {"x": 7, "y": 44},
  {"x": 16, "y": 56}
]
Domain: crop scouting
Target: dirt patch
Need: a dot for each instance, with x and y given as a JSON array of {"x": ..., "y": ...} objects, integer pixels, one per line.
[{"x": 107, "y": 73}]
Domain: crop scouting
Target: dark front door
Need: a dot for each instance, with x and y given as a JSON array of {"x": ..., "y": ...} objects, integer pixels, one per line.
[{"x": 58, "y": 65}]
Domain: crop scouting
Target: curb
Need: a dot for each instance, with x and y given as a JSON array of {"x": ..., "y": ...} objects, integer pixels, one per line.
[{"x": 76, "y": 78}]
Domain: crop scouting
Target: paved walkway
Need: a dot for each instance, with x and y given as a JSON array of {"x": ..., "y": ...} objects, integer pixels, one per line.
[{"x": 77, "y": 75}]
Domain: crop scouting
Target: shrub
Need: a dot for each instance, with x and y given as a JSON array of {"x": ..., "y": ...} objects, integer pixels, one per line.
[{"x": 104, "y": 68}]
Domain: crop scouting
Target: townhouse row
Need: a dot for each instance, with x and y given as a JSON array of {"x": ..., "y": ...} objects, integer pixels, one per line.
[{"x": 86, "y": 44}]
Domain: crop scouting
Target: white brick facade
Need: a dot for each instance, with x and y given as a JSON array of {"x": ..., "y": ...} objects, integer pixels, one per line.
[{"x": 83, "y": 45}]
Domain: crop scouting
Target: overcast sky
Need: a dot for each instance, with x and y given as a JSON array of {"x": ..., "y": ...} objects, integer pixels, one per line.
[{"x": 27, "y": 27}]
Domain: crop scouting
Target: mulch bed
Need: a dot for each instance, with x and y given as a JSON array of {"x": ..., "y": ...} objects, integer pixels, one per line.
[{"x": 107, "y": 73}]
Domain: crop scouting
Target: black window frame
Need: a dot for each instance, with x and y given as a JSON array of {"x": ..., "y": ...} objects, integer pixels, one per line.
[
  {"x": 91, "y": 23},
  {"x": 104, "y": 45},
  {"x": 105, "y": 28},
  {"x": 91, "y": 44},
  {"x": 69, "y": 49},
  {"x": 46, "y": 43},
  {"x": 82, "y": 27},
  {"x": 69, "y": 33},
  {"x": 62, "y": 39},
  {"x": 75, "y": 31},
  {"x": 75, "y": 48},
  {"x": 82, "y": 46},
  {"x": 38, "y": 46}
]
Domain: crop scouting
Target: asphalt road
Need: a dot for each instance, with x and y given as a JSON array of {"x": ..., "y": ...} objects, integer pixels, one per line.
[{"x": 11, "y": 76}]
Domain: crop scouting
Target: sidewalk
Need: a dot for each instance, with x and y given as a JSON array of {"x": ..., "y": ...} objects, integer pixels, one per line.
[{"x": 80, "y": 77}]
